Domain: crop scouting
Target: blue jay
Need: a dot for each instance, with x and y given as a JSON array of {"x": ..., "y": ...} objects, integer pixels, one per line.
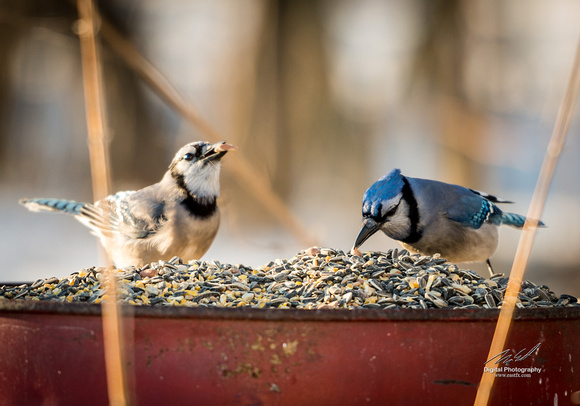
[
  {"x": 177, "y": 216},
  {"x": 429, "y": 217}
]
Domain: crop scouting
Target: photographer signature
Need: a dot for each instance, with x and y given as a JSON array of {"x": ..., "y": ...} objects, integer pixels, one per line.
[{"x": 517, "y": 357}]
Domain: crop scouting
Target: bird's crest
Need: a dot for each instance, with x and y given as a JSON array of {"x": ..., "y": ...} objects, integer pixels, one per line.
[{"x": 386, "y": 188}]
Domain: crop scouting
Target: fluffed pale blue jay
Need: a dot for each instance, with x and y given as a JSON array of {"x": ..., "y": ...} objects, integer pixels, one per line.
[{"x": 177, "y": 216}]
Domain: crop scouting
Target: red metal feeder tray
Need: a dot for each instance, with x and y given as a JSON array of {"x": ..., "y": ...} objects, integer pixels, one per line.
[{"x": 52, "y": 354}]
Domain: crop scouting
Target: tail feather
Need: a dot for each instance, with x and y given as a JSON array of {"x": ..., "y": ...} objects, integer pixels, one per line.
[
  {"x": 491, "y": 198},
  {"x": 48, "y": 204},
  {"x": 516, "y": 220}
]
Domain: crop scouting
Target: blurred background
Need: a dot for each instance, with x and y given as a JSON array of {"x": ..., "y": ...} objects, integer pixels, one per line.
[{"x": 322, "y": 98}]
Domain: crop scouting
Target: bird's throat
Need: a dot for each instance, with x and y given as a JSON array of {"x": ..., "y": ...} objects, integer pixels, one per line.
[{"x": 202, "y": 207}]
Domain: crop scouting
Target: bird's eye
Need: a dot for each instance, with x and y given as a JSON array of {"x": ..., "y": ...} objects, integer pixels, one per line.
[
  {"x": 391, "y": 212},
  {"x": 189, "y": 156}
]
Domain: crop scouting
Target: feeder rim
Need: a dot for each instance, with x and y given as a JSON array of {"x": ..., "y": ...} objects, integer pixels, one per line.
[{"x": 11, "y": 308}]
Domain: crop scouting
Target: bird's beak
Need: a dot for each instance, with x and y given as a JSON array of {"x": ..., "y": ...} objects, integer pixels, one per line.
[
  {"x": 369, "y": 227},
  {"x": 216, "y": 151}
]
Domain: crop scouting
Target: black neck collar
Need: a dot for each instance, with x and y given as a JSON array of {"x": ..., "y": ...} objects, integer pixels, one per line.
[
  {"x": 415, "y": 233},
  {"x": 199, "y": 207}
]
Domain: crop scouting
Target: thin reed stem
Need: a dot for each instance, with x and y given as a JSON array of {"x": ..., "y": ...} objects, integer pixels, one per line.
[
  {"x": 241, "y": 168},
  {"x": 555, "y": 146},
  {"x": 113, "y": 344}
]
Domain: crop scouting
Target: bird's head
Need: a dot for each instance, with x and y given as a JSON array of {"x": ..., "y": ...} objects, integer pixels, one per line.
[
  {"x": 382, "y": 208},
  {"x": 196, "y": 167}
]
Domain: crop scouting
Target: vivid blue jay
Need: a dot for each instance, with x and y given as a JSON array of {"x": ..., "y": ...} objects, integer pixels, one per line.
[
  {"x": 177, "y": 216},
  {"x": 429, "y": 217}
]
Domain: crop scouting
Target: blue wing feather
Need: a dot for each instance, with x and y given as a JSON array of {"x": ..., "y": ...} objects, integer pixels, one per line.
[{"x": 473, "y": 210}]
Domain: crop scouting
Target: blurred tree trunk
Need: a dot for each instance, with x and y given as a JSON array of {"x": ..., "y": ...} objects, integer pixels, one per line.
[
  {"x": 8, "y": 40},
  {"x": 461, "y": 126},
  {"x": 296, "y": 133},
  {"x": 314, "y": 141}
]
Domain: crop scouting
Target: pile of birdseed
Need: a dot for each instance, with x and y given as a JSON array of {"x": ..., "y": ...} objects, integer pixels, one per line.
[{"x": 315, "y": 278}]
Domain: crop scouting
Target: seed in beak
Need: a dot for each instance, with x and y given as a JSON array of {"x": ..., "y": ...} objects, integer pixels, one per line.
[{"x": 225, "y": 148}]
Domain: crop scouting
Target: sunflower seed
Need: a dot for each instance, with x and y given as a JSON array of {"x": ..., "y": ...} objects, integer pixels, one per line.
[{"x": 314, "y": 278}]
